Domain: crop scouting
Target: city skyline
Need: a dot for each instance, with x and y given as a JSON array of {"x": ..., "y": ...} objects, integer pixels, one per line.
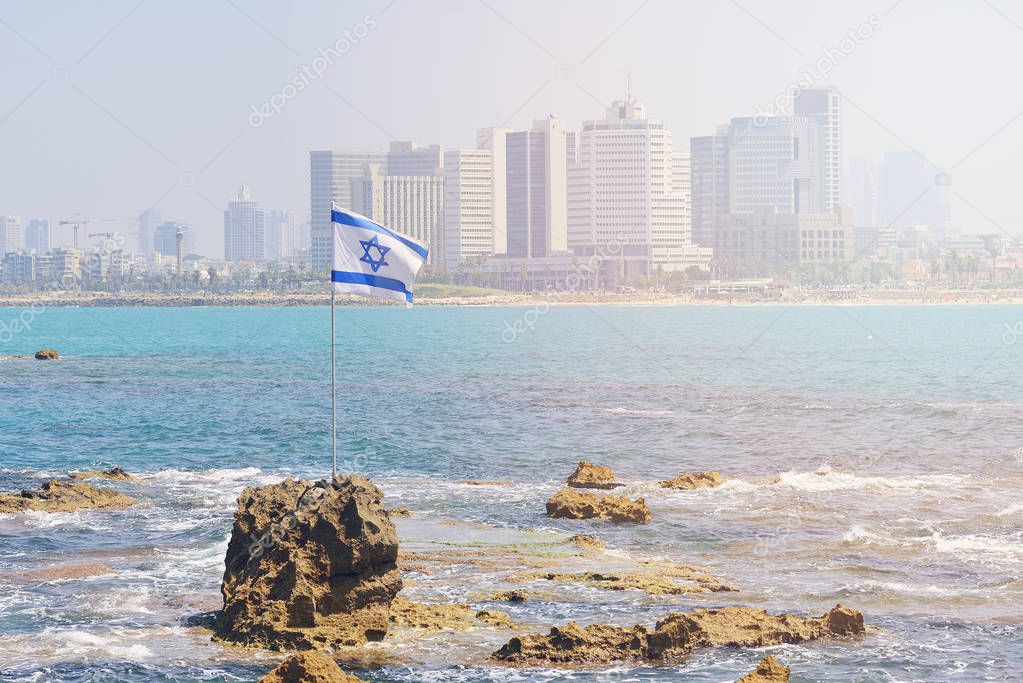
[{"x": 946, "y": 110}]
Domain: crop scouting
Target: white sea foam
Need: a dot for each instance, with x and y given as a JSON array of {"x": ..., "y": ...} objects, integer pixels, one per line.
[
  {"x": 620, "y": 410},
  {"x": 966, "y": 546},
  {"x": 1014, "y": 509},
  {"x": 828, "y": 480}
]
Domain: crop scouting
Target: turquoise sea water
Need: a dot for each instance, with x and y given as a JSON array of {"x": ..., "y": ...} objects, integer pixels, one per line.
[{"x": 873, "y": 455}]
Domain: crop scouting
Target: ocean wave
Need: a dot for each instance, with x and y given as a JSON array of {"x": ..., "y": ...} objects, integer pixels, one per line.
[
  {"x": 1007, "y": 547},
  {"x": 827, "y": 480},
  {"x": 1014, "y": 509},
  {"x": 619, "y": 410}
]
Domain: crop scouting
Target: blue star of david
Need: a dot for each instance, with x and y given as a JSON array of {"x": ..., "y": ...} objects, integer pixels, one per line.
[{"x": 374, "y": 263}]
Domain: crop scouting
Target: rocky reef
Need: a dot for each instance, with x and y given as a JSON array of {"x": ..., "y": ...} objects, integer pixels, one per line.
[
  {"x": 309, "y": 667},
  {"x": 113, "y": 474},
  {"x": 63, "y": 496},
  {"x": 309, "y": 566},
  {"x": 676, "y": 636},
  {"x": 590, "y": 476},
  {"x": 571, "y": 504},
  {"x": 694, "y": 480},
  {"x": 769, "y": 670},
  {"x": 47, "y": 354}
]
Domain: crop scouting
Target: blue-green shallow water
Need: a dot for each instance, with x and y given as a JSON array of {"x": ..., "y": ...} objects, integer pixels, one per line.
[{"x": 873, "y": 453}]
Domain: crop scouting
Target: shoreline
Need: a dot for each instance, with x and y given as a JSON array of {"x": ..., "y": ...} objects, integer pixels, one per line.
[{"x": 303, "y": 299}]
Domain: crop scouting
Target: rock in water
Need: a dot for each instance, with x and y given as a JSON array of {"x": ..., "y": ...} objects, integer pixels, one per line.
[
  {"x": 590, "y": 476},
  {"x": 113, "y": 474},
  {"x": 694, "y": 480},
  {"x": 63, "y": 496},
  {"x": 309, "y": 566},
  {"x": 570, "y": 504},
  {"x": 675, "y": 636},
  {"x": 308, "y": 667},
  {"x": 47, "y": 354},
  {"x": 769, "y": 670}
]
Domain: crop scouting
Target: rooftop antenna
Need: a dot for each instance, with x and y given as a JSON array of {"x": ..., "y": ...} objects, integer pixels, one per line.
[{"x": 628, "y": 87}]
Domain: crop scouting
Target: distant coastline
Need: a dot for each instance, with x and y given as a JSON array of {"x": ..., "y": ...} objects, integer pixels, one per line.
[{"x": 502, "y": 298}]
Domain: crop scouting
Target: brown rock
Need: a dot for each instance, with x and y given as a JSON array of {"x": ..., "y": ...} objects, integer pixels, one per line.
[
  {"x": 486, "y": 482},
  {"x": 842, "y": 621},
  {"x": 63, "y": 496},
  {"x": 401, "y": 512},
  {"x": 309, "y": 667},
  {"x": 664, "y": 581},
  {"x": 769, "y": 670},
  {"x": 570, "y": 504},
  {"x": 587, "y": 542},
  {"x": 694, "y": 480},
  {"x": 675, "y": 636},
  {"x": 495, "y": 617},
  {"x": 435, "y": 617},
  {"x": 60, "y": 571},
  {"x": 309, "y": 566},
  {"x": 47, "y": 354},
  {"x": 590, "y": 476},
  {"x": 113, "y": 474},
  {"x": 510, "y": 596}
]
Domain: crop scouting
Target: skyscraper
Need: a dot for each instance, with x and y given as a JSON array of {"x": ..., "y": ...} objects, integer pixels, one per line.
[
  {"x": 244, "y": 228},
  {"x": 165, "y": 239},
  {"x": 709, "y": 180},
  {"x": 148, "y": 222},
  {"x": 330, "y": 179},
  {"x": 822, "y": 106},
  {"x": 537, "y": 189},
  {"x": 37, "y": 236},
  {"x": 281, "y": 235},
  {"x": 468, "y": 206},
  {"x": 495, "y": 141},
  {"x": 10, "y": 234}
]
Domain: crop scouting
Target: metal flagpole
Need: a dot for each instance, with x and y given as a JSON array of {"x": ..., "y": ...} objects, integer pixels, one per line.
[{"x": 333, "y": 391}]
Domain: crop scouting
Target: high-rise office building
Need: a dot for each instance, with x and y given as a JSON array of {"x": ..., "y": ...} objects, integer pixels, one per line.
[
  {"x": 681, "y": 173},
  {"x": 708, "y": 162},
  {"x": 537, "y": 214},
  {"x": 495, "y": 141},
  {"x": 468, "y": 206},
  {"x": 823, "y": 107},
  {"x": 409, "y": 159},
  {"x": 148, "y": 221},
  {"x": 37, "y": 236},
  {"x": 165, "y": 239},
  {"x": 281, "y": 235},
  {"x": 913, "y": 192},
  {"x": 244, "y": 228},
  {"x": 10, "y": 235},
  {"x": 412, "y": 204},
  {"x": 330, "y": 179}
]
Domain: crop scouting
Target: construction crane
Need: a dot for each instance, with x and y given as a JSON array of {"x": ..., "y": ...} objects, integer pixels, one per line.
[{"x": 76, "y": 222}]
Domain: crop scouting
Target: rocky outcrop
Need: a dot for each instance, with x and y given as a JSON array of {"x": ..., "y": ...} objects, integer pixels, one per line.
[
  {"x": 769, "y": 670},
  {"x": 571, "y": 504},
  {"x": 495, "y": 617},
  {"x": 590, "y": 476},
  {"x": 587, "y": 542},
  {"x": 113, "y": 474},
  {"x": 436, "y": 617},
  {"x": 694, "y": 480},
  {"x": 47, "y": 354},
  {"x": 309, "y": 667},
  {"x": 309, "y": 566},
  {"x": 679, "y": 580},
  {"x": 674, "y": 637},
  {"x": 510, "y": 596},
  {"x": 399, "y": 513},
  {"x": 63, "y": 496}
]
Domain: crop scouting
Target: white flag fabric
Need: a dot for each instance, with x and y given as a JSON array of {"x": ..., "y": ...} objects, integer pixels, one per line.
[{"x": 371, "y": 260}]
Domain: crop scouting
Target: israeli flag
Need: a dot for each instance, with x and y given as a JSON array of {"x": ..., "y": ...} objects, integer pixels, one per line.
[{"x": 371, "y": 260}]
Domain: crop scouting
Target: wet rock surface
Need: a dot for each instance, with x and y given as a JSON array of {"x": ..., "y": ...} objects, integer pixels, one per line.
[
  {"x": 587, "y": 542},
  {"x": 571, "y": 504},
  {"x": 309, "y": 566},
  {"x": 665, "y": 580},
  {"x": 47, "y": 354},
  {"x": 769, "y": 670},
  {"x": 590, "y": 476},
  {"x": 308, "y": 667},
  {"x": 113, "y": 474},
  {"x": 64, "y": 496},
  {"x": 674, "y": 637},
  {"x": 694, "y": 480}
]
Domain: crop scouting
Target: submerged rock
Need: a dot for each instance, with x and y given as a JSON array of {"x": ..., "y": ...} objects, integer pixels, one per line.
[
  {"x": 63, "y": 496},
  {"x": 60, "y": 572},
  {"x": 495, "y": 617},
  {"x": 570, "y": 504},
  {"x": 308, "y": 667},
  {"x": 674, "y": 637},
  {"x": 663, "y": 581},
  {"x": 694, "y": 480},
  {"x": 769, "y": 670},
  {"x": 587, "y": 542},
  {"x": 399, "y": 512},
  {"x": 309, "y": 566},
  {"x": 435, "y": 617},
  {"x": 113, "y": 474},
  {"x": 47, "y": 354},
  {"x": 590, "y": 476}
]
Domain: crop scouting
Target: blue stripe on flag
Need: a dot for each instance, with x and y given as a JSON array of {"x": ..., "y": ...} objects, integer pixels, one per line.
[
  {"x": 359, "y": 222},
  {"x": 371, "y": 280}
]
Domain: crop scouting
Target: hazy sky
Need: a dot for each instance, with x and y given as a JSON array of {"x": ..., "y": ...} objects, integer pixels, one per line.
[{"x": 111, "y": 107}]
